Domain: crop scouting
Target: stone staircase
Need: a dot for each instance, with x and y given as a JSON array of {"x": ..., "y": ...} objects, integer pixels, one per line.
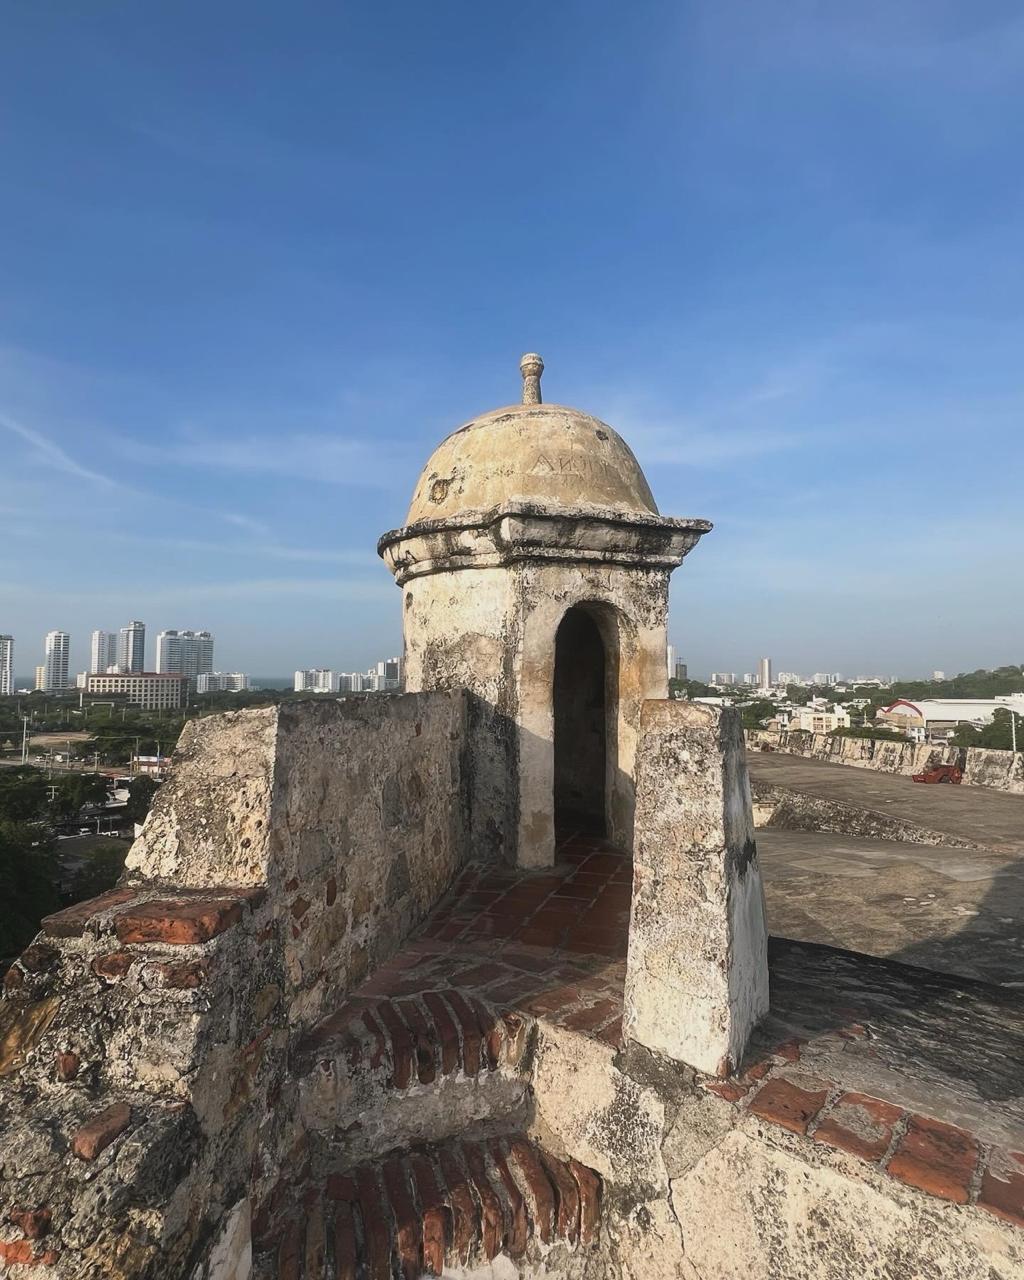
[
  {"x": 415, "y": 1101},
  {"x": 419, "y": 1211}
]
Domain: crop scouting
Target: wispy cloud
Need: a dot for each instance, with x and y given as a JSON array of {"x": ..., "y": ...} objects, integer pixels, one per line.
[
  {"x": 262, "y": 550},
  {"x": 50, "y": 454},
  {"x": 683, "y": 444},
  {"x": 246, "y": 522},
  {"x": 174, "y": 595},
  {"x": 329, "y": 459}
]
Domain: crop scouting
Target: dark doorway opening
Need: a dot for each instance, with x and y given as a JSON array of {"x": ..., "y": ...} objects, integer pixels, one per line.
[{"x": 580, "y": 725}]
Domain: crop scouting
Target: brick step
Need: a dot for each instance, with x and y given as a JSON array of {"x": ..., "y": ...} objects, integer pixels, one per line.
[
  {"x": 456, "y": 1205},
  {"x": 415, "y": 1040}
]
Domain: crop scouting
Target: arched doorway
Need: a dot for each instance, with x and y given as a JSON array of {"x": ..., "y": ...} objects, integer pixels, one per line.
[{"x": 580, "y": 725}]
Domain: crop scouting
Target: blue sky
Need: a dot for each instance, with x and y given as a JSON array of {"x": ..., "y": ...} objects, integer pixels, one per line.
[{"x": 257, "y": 259}]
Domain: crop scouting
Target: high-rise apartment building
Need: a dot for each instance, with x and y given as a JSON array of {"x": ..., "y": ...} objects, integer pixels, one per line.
[
  {"x": 764, "y": 668},
  {"x": 671, "y": 665},
  {"x": 184, "y": 653},
  {"x": 6, "y": 665},
  {"x": 55, "y": 663},
  {"x": 104, "y": 650},
  {"x": 681, "y": 671},
  {"x": 131, "y": 650}
]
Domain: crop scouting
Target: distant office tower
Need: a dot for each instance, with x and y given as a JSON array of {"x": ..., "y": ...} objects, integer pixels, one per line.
[
  {"x": 681, "y": 671},
  {"x": 131, "y": 649},
  {"x": 388, "y": 674},
  {"x": 55, "y": 665},
  {"x": 103, "y": 652},
  {"x": 184, "y": 653},
  {"x": 316, "y": 680},
  {"x": 671, "y": 664},
  {"x": 221, "y": 682},
  {"x": 6, "y": 665},
  {"x": 765, "y": 673}
]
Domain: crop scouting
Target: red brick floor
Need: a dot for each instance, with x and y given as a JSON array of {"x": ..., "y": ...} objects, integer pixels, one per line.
[{"x": 549, "y": 942}]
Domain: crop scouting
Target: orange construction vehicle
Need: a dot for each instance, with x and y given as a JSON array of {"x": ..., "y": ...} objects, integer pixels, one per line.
[{"x": 940, "y": 773}]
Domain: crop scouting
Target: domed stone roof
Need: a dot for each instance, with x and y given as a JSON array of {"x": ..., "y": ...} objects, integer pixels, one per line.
[{"x": 539, "y": 455}]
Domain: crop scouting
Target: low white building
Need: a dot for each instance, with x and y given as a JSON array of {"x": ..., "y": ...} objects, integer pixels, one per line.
[
  {"x": 812, "y": 719},
  {"x": 927, "y": 718},
  {"x": 222, "y": 682},
  {"x": 316, "y": 680},
  {"x": 146, "y": 689}
]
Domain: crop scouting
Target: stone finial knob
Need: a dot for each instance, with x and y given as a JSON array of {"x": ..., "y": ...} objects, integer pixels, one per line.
[{"x": 531, "y": 367}]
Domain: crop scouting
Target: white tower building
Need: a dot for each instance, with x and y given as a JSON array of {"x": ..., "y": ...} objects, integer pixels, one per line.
[
  {"x": 131, "y": 654},
  {"x": 6, "y": 666},
  {"x": 55, "y": 665},
  {"x": 103, "y": 652}
]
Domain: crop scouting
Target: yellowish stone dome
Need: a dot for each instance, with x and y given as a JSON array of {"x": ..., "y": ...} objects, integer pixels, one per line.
[{"x": 543, "y": 455}]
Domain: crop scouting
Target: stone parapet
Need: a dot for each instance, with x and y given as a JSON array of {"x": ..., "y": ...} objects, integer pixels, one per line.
[
  {"x": 1001, "y": 770},
  {"x": 696, "y": 972},
  {"x": 145, "y": 1035}
]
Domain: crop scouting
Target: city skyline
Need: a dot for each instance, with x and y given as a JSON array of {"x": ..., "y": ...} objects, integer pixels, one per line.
[
  {"x": 193, "y": 654},
  {"x": 219, "y": 395}
]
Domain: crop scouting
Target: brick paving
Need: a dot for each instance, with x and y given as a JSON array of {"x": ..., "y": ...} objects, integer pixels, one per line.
[
  {"x": 507, "y": 947},
  {"x": 546, "y": 944},
  {"x": 940, "y": 1159}
]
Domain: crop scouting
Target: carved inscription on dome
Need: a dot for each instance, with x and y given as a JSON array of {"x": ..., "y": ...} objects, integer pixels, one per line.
[{"x": 572, "y": 466}]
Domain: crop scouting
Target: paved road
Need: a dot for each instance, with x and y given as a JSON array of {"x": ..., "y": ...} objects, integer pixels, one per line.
[
  {"x": 989, "y": 818},
  {"x": 955, "y": 910}
]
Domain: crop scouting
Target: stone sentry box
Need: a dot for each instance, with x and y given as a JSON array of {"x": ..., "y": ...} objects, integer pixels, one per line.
[{"x": 519, "y": 517}]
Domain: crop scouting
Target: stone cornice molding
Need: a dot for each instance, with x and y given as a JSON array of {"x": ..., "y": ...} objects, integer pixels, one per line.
[{"x": 515, "y": 532}]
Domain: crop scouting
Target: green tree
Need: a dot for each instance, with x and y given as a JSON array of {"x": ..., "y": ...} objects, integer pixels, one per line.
[
  {"x": 690, "y": 689},
  {"x": 755, "y": 713},
  {"x": 74, "y": 790},
  {"x": 140, "y": 797},
  {"x": 28, "y": 883},
  {"x": 997, "y": 736},
  {"x": 100, "y": 872},
  {"x": 23, "y": 794}
]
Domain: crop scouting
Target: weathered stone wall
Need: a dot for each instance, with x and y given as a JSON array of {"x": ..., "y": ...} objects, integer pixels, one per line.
[
  {"x": 145, "y": 1037},
  {"x": 350, "y": 812},
  {"x": 864, "y": 753},
  {"x": 1003, "y": 770},
  {"x": 787, "y": 810},
  {"x": 981, "y": 768}
]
